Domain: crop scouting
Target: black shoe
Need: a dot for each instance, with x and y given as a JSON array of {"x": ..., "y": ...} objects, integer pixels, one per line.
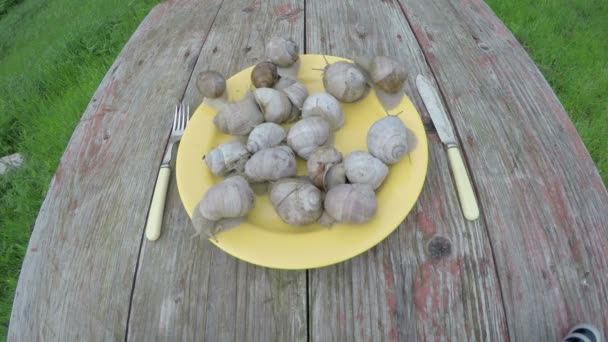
[{"x": 583, "y": 333}]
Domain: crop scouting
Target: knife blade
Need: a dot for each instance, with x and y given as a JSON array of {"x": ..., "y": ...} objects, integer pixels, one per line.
[{"x": 439, "y": 116}]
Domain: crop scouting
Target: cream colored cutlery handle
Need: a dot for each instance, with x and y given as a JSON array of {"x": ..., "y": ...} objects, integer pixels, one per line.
[
  {"x": 468, "y": 202},
  {"x": 155, "y": 217}
]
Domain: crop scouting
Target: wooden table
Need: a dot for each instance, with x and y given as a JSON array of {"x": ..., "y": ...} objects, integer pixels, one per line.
[{"x": 534, "y": 264}]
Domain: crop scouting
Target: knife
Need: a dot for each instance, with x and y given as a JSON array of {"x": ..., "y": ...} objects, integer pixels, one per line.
[{"x": 432, "y": 101}]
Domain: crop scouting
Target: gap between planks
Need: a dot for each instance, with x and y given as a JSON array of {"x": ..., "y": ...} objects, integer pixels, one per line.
[{"x": 166, "y": 141}]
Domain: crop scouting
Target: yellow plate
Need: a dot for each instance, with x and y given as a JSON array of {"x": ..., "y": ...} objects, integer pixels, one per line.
[{"x": 264, "y": 239}]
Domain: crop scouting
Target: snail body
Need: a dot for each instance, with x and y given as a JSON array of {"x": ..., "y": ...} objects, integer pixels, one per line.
[
  {"x": 274, "y": 104},
  {"x": 229, "y": 199},
  {"x": 297, "y": 93},
  {"x": 238, "y": 118}
]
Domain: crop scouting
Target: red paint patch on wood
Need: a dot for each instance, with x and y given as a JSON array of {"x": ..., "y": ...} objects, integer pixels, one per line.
[
  {"x": 426, "y": 225},
  {"x": 34, "y": 249},
  {"x": 393, "y": 335},
  {"x": 389, "y": 291},
  {"x": 252, "y": 6},
  {"x": 285, "y": 12},
  {"x": 72, "y": 205}
]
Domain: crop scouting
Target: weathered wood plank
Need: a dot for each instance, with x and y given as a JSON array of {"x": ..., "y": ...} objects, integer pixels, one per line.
[
  {"x": 431, "y": 280},
  {"x": 189, "y": 289},
  {"x": 77, "y": 276},
  {"x": 545, "y": 204},
  {"x": 398, "y": 291}
]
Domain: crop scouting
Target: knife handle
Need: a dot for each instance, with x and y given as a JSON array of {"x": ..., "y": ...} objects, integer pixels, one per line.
[
  {"x": 155, "y": 217},
  {"x": 468, "y": 202}
]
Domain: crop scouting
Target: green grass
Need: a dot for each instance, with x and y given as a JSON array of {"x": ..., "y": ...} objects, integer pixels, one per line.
[
  {"x": 568, "y": 40},
  {"x": 53, "y": 55}
]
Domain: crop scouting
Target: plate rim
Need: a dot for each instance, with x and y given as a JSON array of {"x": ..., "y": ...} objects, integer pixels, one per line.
[{"x": 345, "y": 256}]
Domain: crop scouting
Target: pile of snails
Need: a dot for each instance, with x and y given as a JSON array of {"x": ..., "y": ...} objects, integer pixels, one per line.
[{"x": 337, "y": 188}]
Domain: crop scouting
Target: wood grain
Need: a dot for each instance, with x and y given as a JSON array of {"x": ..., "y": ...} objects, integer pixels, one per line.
[
  {"x": 433, "y": 278},
  {"x": 543, "y": 199},
  {"x": 78, "y": 272},
  {"x": 353, "y": 29},
  {"x": 189, "y": 290}
]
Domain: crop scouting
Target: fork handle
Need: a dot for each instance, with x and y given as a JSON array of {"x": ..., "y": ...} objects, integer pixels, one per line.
[{"x": 155, "y": 217}]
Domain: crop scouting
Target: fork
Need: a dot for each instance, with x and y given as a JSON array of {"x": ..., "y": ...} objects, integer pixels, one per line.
[{"x": 155, "y": 217}]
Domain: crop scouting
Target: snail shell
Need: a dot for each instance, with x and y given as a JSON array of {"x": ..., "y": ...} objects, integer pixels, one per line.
[
  {"x": 325, "y": 106},
  {"x": 227, "y": 157},
  {"x": 238, "y": 118},
  {"x": 345, "y": 81},
  {"x": 265, "y": 136},
  {"x": 307, "y": 135},
  {"x": 387, "y": 139},
  {"x": 274, "y": 104},
  {"x": 228, "y": 199},
  {"x": 387, "y": 74},
  {"x": 294, "y": 115},
  {"x": 335, "y": 175},
  {"x": 264, "y": 75},
  {"x": 320, "y": 162},
  {"x": 282, "y": 51},
  {"x": 271, "y": 164},
  {"x": 362, "y": 167},
  {"x": 211, "y": 84},
  {"x": 297, "y": 201},
  {"x": 283, "y": 83},
  {"x": 351, "y": 203},
  {"x": 297, "y": 93}
]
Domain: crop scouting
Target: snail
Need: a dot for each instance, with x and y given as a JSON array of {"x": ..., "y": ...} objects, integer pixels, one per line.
[
  {"x": 320, "y": 162},
  {"x": 387, "y": 74},
  {"x": 282, "y": 51},
  {"x": 345, "y": 81},
  {"x": 274, "y": 104},
  {"x": 265, "y": 136},
  {"x": 211, "y": 84},
  {"x": 222, "y": 203},
  {"x": 294, "y": 114},
  {"x": 271, "y": 164},
  {"x": 238, "y": 118},
  {"x": 387, "y": 139},
  {"x": 264, "y": 75},
  {"x": 335, "y": 175},
  {"x": 307, "y": 135},
  {"x": 283, "y": 83},
  {"x": 325, "y": 106},
  {"x": 297, "y": 93},
  {"x": 362, "y": 167},
  {"x": 351, "y": 203},
  {"x": 296, "y": 201},
  {"x": 227, "y": 157}
]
